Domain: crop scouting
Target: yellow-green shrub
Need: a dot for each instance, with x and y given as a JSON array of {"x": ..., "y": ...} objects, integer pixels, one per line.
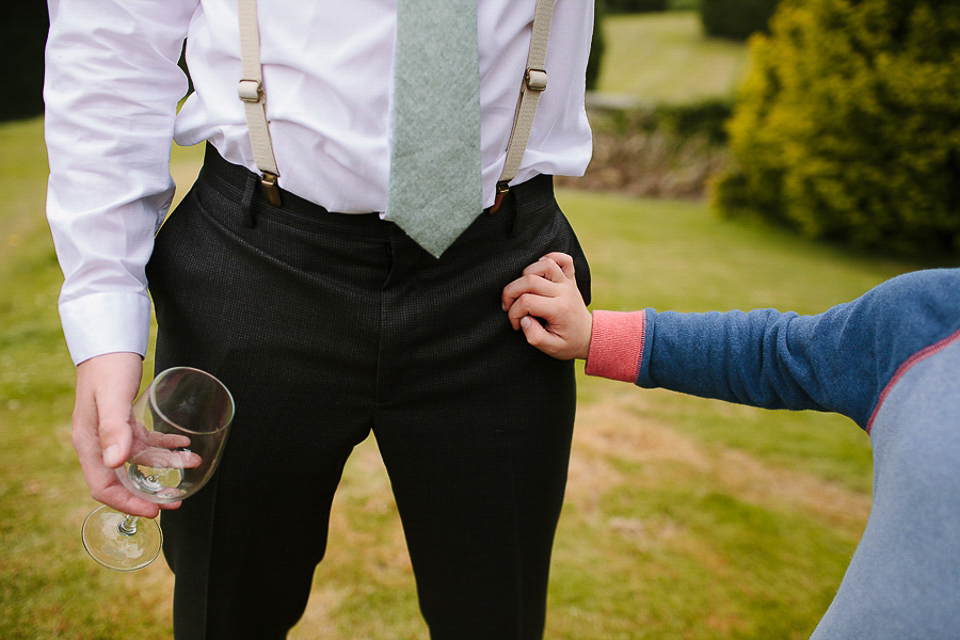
[{"x": 848, "y": 125}]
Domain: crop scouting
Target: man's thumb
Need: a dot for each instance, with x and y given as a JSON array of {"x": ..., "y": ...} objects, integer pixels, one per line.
[{"x": 115, "y": 435}]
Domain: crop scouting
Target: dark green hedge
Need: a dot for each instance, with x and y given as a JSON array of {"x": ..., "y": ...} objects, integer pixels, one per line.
[
  {"x": 23, "y": 32},
  {"x": 635, "y": 6},
  {"x": 736, "y": 19},
  {"x": 848, "y": 125},
  {"x": 597, "y": 47},
  {"x": 706, "y": 117}
]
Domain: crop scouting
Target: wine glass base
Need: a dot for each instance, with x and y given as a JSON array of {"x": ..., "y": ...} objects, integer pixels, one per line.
[{"x": 108, "y": 544}]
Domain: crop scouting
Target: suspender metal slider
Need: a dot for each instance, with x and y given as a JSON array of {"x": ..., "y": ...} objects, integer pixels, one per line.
[
  {"x": 536, "y": 79},
  {"x": 270, "y": 190},
  {"x": 250, "y": 90}
]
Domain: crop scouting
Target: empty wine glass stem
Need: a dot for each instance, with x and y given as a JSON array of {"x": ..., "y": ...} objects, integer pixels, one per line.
[{"x": 129, "y": 525}]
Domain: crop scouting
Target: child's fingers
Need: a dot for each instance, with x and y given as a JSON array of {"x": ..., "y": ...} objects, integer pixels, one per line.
[
  {"x": 527, "y": 284},
  {"x": 531, "y": 304},
  {"x": 564, "y": 261},
  {"x": 546, "y": 268},
  {"x": 545, "y": 278},
  {"x": 519, "y": 308}
]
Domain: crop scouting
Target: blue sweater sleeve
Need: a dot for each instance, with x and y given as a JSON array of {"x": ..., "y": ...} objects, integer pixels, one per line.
[{"x": 840, "y": 360}]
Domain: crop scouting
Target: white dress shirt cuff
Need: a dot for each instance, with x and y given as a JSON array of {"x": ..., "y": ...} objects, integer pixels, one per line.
[{"x": 108, "y": 322}]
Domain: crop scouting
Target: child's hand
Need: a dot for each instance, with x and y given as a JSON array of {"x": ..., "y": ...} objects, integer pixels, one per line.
[{"x": 548, "y": 292}]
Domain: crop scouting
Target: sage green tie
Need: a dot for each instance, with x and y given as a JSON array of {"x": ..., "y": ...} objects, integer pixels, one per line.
[{"x": 435, "y": 188}]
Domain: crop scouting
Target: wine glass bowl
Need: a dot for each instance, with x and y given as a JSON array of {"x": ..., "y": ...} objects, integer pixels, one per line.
[
  {"x": 180, "y": 426},
  {"x": 182, "y": 421}
]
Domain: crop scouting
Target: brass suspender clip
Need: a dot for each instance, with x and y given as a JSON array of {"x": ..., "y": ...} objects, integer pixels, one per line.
[
  {"x": 269, "y": 184},
  {"x": 502, "y": 190}
]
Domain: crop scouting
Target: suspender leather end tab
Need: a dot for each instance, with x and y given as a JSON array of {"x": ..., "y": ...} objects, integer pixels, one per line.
[
  {"x": 270, "y": 190},
  {"x": 503, "y": 188}
]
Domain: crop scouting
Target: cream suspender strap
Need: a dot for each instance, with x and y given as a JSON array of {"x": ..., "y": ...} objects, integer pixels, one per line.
[
  {"x": 254, "y": 99},
  {"x": 534, "y": 83}
]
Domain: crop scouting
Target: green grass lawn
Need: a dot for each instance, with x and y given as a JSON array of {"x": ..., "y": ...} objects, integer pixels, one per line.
[
  {"x": 665, "y": 58},
  {"x": 684, "y": 518}
]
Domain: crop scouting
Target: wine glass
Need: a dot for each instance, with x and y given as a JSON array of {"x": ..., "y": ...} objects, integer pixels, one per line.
[{"x": 181, "y": 424}]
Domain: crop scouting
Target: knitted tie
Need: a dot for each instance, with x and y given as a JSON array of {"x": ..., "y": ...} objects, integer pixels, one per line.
[{"x": 435, "y": 188}]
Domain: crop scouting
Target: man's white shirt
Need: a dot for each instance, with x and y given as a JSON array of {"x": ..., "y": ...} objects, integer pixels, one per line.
[{"x": 112, "y": 88}]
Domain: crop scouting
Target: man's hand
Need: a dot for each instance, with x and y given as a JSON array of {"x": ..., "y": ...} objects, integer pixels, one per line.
[
  {"x": 103, "y": 426},
  {"x": 548, "y": 291}
]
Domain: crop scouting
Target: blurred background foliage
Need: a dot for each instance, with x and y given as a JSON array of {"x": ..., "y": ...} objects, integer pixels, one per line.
[
  {"x": 842, "y": 123},
  {"x": 848, "y": 125},
  {"x": 23, "y": 32}
]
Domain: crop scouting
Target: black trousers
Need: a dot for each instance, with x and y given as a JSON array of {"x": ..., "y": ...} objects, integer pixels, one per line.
[{"x": 329, "y": 326}]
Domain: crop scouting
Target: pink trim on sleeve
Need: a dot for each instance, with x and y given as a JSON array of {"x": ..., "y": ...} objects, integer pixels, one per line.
[{"x": 616, "y": 345}]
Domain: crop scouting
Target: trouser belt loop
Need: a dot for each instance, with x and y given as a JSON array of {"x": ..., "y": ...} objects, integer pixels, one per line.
[{"x": 247, "y": 213}]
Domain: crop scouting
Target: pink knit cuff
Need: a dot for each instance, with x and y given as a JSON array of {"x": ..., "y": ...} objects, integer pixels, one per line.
[{"x": 616, "y": 345}]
